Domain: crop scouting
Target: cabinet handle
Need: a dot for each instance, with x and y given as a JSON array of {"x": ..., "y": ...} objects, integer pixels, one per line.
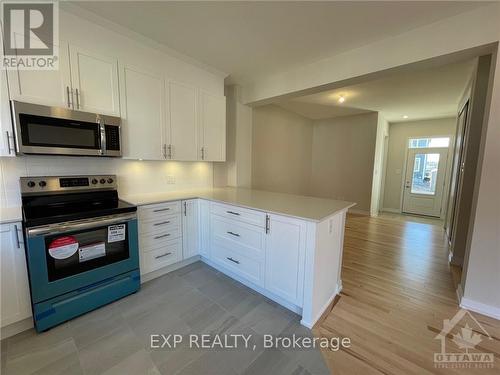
[
  {"x": 268, "y": 224},
  {"x": 233, "y": 234},
  {"x": 185, "y": 208},
  {"x": 161, "y": 256},
  {"x": 164, "y": 150},
  {"x": 161, "y": 209},
  {"x": 77, "y": 99},
  {"x": 162, "y": 223},
  {"x": 162, "y": 236},
  {"x": 170, "y": 151},
  {"x": 203, "y": 153},
  {"x": 69, "y": 93},
  {"x": 233, "y": 213},
  {"x": 233, "y": 260},
  {"x": 16, "y": 237},
  {"x": 11, "y": 149}
]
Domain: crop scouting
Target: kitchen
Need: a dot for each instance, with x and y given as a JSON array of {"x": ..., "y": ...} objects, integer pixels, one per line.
[{"x": 143, "y": 127}]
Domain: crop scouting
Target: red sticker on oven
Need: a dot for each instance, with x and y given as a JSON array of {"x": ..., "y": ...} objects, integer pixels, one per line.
[{"x": 63, "y": 247}]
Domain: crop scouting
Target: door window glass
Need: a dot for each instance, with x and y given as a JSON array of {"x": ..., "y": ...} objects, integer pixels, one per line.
[
  {"x": 424, "y": 176},
  {"x": 429, "y": 142}
]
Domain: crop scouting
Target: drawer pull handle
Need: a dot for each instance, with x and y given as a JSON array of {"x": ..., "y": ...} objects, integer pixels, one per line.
[
  {"x": 162, "y": 223},
  {"x": 161, "y": 256},
  {"x": 233, "y": 260},
  {"x": 161, "y": 209},
  {"x": 233, "y": 213},
  {"x": 163, "y": 235},
  {"x": 233, "y": 234}
]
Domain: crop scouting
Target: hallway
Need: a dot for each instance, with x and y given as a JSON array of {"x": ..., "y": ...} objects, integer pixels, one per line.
[{"x": 397, "y": 290}]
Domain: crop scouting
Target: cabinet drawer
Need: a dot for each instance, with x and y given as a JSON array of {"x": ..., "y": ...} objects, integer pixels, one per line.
[
  {"x": 241, "y": 237},
  {"x": 245, "y": 267},
  {"x": 239, "y": 214},
  {"x": 152, "y": 241},
  {"x": 170, "y": 223},
  {"x": 156, "y": 211},
  {"x": 168, "y": 253}
]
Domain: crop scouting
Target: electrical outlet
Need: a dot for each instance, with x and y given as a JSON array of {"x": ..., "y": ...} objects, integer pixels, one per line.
[{"x": 170, "y": 179}]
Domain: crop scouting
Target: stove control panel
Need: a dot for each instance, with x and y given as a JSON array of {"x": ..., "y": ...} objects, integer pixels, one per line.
[{"x": 61, "y": 184}]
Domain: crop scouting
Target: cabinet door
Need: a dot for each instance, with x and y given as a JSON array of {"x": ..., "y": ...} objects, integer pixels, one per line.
[
  {"x": 212, "y": 121},
  {"x": 15, "y": 295},
  {"x": 285, "y": 254},
  {"x": 184, "y": 140},
  {"x": 95, "y": 82},
  {"x": 143, "y": 114},
  {"x": 190, "y": 228},
  {"x": 7, "y": 137},
  {"x": 204, "y": 244},
  {"x": 46, "y": 87}
]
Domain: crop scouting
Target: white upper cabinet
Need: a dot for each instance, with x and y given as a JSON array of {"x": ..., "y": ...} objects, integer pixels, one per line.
[
  {"x": 285, "y": 256},
  {"x": 142, "y": 115},
  {"x": 47, "y": 87},
  {"x": 183, "y": 143},
  {"x": 95, "y": 82},
  {"x": 190, "y": 228},
  {"x": 212, "y": 127},
  {"x": 15, "y": 297}
]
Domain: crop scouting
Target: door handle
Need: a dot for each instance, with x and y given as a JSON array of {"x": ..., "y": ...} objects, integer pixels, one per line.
[
  {"x": 77, "y": 94},
  {"x": 69, "y": 94}
]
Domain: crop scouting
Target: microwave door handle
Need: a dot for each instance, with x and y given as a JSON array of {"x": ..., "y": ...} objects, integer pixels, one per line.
[
  {"x": 102, "y": 129},
  {"x": 79, "y": 225}
]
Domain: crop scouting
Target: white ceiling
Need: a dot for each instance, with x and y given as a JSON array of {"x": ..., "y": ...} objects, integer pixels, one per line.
[
  {"x": 423, "y": 94},
  {"x": 252, "y": 39}
]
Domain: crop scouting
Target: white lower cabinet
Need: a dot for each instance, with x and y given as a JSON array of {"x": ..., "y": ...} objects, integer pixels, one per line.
[
  {"x": 190, "y": 228},
  {"x": 285, "y": 258},
  {"x": 266, "y": 250},
  {"x": 15, "y": 295}
]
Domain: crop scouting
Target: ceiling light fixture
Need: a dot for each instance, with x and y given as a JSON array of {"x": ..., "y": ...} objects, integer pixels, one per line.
[
  {"x": 341, "y": 99},
  {"x": 405, "y": 116}
]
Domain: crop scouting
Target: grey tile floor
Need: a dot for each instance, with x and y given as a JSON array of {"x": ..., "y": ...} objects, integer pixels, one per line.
[{"x": 196, "y": 299}]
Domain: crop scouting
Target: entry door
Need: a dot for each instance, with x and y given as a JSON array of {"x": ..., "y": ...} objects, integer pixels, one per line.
[{"x": 424, "y": 181}]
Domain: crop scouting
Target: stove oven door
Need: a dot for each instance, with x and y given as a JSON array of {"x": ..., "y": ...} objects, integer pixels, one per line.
[{"x": 76, "y": 256}]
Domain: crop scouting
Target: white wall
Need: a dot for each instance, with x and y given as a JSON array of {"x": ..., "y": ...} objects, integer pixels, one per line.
[
  {"x": 343, "y": 150},
  {"x": 396, "y": 154},
  {"x": 133, "y": 176},
  {"x": 281, "y": 151}
]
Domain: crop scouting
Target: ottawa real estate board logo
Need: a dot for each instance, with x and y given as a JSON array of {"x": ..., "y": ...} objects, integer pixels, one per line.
[
  {"x": 30, "y": 35},
  {"x": 461, "y": 339}
]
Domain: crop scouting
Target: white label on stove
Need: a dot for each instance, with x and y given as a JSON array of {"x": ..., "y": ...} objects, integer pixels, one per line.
[
  {"x": 116, "y": 233},
  {"x": 63, "y": 247},
  {"x": 93, "y": 251}
]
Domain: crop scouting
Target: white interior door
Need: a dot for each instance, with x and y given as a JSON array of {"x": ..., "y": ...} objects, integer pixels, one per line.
[{"x": 425, "y": 181}]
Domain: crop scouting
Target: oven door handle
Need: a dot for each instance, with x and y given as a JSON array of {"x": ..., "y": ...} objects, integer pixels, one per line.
[{"x": 70, "y": 226}]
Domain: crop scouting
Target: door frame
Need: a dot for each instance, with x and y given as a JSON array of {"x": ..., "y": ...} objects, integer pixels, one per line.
[{"x": 447, "y": 171}]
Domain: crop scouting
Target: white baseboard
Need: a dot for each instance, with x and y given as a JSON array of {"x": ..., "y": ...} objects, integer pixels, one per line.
[
  {"x": 460, "y": 294},
  {"x": 392, "y": 210},
  {"x": 358, "y": 211},
  {"x": 479, "y": 307},
  {"x": 310, "y": 324}
]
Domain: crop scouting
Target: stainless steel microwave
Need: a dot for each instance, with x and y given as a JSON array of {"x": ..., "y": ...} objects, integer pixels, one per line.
[{"x": 46, "y": 130}]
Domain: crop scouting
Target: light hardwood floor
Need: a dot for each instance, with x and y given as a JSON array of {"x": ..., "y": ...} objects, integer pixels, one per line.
[{"x": 397, "y": 290}]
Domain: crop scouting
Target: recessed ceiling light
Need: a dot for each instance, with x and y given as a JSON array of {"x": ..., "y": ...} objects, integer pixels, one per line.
[
  {"x": 341, "y": 99},
  {"x": 405, "y": 116}
]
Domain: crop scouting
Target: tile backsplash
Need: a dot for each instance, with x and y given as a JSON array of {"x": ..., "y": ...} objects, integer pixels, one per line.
[{"x": 134, "y": 176}]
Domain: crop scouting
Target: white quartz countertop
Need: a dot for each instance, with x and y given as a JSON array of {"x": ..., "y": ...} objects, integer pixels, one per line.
[
  {"x": 299, "y": 206},
  {"x": 10, "y": 215}
]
